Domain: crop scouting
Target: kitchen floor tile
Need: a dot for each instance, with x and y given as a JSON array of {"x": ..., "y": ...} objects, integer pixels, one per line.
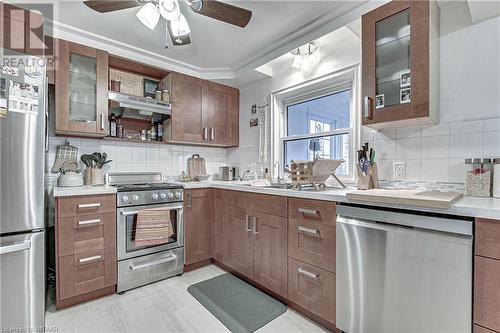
[{"x": 164, "y": 306}]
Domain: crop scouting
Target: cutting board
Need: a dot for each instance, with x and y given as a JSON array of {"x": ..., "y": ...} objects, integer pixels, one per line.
[
  {"x": 196, "y": 166},
  {"x": 429, "y": 199}
]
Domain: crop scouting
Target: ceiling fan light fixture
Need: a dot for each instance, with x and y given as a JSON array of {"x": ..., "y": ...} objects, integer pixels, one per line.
[
  {"x": 149, "y": 15},
  {"x": 297, "y": 60},
  {"x": 169, "y": 9},
  {"x": 179, "y": 26}
]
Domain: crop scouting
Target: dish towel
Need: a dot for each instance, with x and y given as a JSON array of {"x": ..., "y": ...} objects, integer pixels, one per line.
[{"x": 153, "y": 227}]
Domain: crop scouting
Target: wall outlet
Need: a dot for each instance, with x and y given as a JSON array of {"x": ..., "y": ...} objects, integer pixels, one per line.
[{"x": 399, "y": 170}]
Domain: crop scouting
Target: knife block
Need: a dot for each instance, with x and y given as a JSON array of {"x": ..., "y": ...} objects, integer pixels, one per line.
[{"x": 368, "y": 181}]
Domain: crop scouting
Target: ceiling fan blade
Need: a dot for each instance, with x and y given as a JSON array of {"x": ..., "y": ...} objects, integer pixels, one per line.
[
  {"x": 105, "y": 6},
  {"x": 178, "y": 40},
  {"x": 223, "y": 12}
]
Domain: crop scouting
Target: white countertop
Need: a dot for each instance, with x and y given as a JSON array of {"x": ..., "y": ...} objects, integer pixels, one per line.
[
  {"x": 467, "y": 206},
  {"x": 83, "y": 190}
]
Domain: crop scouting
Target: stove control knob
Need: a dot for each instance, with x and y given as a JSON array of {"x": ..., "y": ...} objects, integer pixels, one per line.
[
  {"x": 154, "y": 196},
  {"x": 125, "y": 198},
  {"x": 163, "y": 196},
  {"x": 135, "y": 197},
  {"x": 177, "y": 195},
  {"x": 170, "y": 195}
]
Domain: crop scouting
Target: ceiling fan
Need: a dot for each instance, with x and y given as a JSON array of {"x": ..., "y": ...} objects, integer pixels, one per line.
[{"x": 177, "y": 25}]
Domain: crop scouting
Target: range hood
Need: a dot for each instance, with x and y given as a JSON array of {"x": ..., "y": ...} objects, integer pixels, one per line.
[{"x": 141, "y": 104}]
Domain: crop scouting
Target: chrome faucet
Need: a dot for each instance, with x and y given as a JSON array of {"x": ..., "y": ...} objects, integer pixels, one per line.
[{"x": 279, "y": 178}]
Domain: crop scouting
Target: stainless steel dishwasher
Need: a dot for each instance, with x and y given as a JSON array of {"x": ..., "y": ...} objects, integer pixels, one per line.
[{"x": 401, "y": 272}]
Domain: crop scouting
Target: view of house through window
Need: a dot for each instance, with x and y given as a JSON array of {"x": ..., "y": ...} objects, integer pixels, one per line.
[{"x": 319, "y": 128}]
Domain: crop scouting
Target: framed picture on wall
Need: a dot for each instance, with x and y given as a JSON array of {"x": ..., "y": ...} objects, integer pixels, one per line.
[
  {"x": 405, "y": 79},
  {"x": 150, "y": 86},
  {"x": 254, "y": 109},
  {"x": 405, "y": 96}
]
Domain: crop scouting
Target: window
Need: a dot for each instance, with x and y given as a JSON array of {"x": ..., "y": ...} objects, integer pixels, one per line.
[{"x": 319, "y": 127}]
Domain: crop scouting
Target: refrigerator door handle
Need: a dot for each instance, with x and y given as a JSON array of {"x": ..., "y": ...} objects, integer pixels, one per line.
[
  {"x": 46, "y": 131},
  {"x": 15, "y": 247}
]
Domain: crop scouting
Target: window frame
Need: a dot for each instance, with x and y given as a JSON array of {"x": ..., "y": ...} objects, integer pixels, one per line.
[{"x": 346, "y": 79}]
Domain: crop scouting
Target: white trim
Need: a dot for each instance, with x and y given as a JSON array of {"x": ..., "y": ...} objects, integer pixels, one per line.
[{"x": 323, "y": 85}]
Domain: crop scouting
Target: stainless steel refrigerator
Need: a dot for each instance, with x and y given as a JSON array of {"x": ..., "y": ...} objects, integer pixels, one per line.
[{"x": 22, "y": 148}]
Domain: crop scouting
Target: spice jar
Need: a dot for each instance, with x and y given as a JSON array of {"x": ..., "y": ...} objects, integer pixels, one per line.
[
  {"x": 165, "y": 96},
  {"x": 496, "y": 177},
  {"x": 478, "y": 177},
  {"x": 115, "y": 85},
  {"x": 158, "y": 95}
]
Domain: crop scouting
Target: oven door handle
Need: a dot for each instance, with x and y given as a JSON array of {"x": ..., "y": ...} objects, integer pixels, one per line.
[
  {"x": 134, "y": 212},
  {"x": 133, "y": 267}
]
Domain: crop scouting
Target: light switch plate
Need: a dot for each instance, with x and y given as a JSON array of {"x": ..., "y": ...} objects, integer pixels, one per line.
[{"x": 399, "y": 170}]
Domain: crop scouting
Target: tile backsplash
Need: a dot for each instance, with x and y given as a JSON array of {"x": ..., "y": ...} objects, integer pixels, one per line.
[
  {"x": 436, "y": 153},
  {"x": 171, "y": 160}
]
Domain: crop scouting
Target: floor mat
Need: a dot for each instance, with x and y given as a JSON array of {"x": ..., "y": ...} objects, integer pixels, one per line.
[{"x": 238, "y": 305}]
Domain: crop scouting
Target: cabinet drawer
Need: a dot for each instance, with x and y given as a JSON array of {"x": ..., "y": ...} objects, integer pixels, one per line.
[
  {"x": 488, "y": 238},
  {"x": 312, "y": 210},
  {"x": 312, "y": 288},
  {"x": 84, "y": 205},
  {"x": 86, "y": 272},
  {"x": 270, "y": 204},
  {"x": 82, "y": 233},
  {"x": 313, "y": 243},
  {"x": 240, "y": 199},
  {"x": 479, "y": 329},
  {"x": 487, "y": 292}
]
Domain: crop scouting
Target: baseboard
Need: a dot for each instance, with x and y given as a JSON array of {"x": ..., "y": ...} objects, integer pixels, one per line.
[
  {"x": 64, "y": 303},
  {"x": 297, "y": 308},
  {"x": 197, "y": 265}
]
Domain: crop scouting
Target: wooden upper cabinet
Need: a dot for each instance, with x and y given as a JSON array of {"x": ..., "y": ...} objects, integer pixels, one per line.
[
  {"x": 203, "y": 112},
  {"x": 187, "y": 111},
  {"x": 81, "y": 90},
  {"x": 400, "y": 53}
]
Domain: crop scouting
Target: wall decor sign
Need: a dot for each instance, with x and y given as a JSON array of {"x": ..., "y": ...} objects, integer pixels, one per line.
[
  {"x": 254, "y": 122},
  {"x": 405, "y": 79},
  {"x": 405, "y": 96},
  {"x": 379, "y": 101},
  {"x": 254, "y": 109},
  {"x": 150, "y": 86}
]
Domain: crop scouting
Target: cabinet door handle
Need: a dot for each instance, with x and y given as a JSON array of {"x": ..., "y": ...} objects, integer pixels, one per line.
[
  {"x": 87, "y": 259},
  {"x": 308, "y": 211},
  {"x": 93, "y": 205},
  {"x": 190, "y": 200},
  {"x": 205, "y": 133},
  {"x": 304, "y": 272},
  {"x": 367, "y": 108},
  {"x": 247, "y": 220},
  {"x": 255, "y": 232},
  {"x": 103, "y": 127},
  {"x": 308, "y": 230},
  {"x": 87, "y": 222},
  {"x": 212, "y": 134}
]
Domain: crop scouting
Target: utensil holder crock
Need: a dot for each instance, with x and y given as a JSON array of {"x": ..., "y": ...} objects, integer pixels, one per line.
[{"x": 94, "y": 176}]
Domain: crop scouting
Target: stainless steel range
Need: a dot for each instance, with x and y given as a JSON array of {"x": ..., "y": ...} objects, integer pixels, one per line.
[{"x": 150, "y": 228}]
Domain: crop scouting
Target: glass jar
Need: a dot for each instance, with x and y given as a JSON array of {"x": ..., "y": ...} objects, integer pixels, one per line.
[
  {"x": 158, "y": 95},
  {"x": 478, "y": 177},
  {"x": 165, "y": 96}
]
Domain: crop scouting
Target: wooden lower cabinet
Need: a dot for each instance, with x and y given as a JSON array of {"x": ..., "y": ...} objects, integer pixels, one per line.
[
  {"x": 198, "y": 219},
  {"x": 221, "y": 230},
  {"x": 270, "y": 252},
  {"x": 312, "y": 288},
  {"x": 85, "y": 248},
  {"x": 241, "y": 242}
]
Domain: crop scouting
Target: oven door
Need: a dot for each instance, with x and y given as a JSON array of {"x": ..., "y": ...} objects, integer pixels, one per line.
[{"x": 126, "y": 228}]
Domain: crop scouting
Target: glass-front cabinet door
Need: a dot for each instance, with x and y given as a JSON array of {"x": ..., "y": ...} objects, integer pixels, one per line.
[
  {"x": 81, "y": 90},
  {"x": 398, "y": 49}
]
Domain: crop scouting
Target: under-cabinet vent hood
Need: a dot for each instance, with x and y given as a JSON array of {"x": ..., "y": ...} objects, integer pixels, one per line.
[{"x": 141, "y": 104}]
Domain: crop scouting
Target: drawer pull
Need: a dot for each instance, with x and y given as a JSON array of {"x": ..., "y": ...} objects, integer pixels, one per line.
[
  {"x": 309, "y": 230},
  {"x": 87, "y": 222},
  {"x": 133, "y": 267},
  {"x": 84, "y": 260},
  {"x": 302, "y": 271},
  {"x": 308, "y": 211},
  {"x": 93, "y": 205}
]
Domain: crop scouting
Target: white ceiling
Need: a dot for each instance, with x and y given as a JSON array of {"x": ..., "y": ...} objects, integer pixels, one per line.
[{"x": 215, "y": 45}]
